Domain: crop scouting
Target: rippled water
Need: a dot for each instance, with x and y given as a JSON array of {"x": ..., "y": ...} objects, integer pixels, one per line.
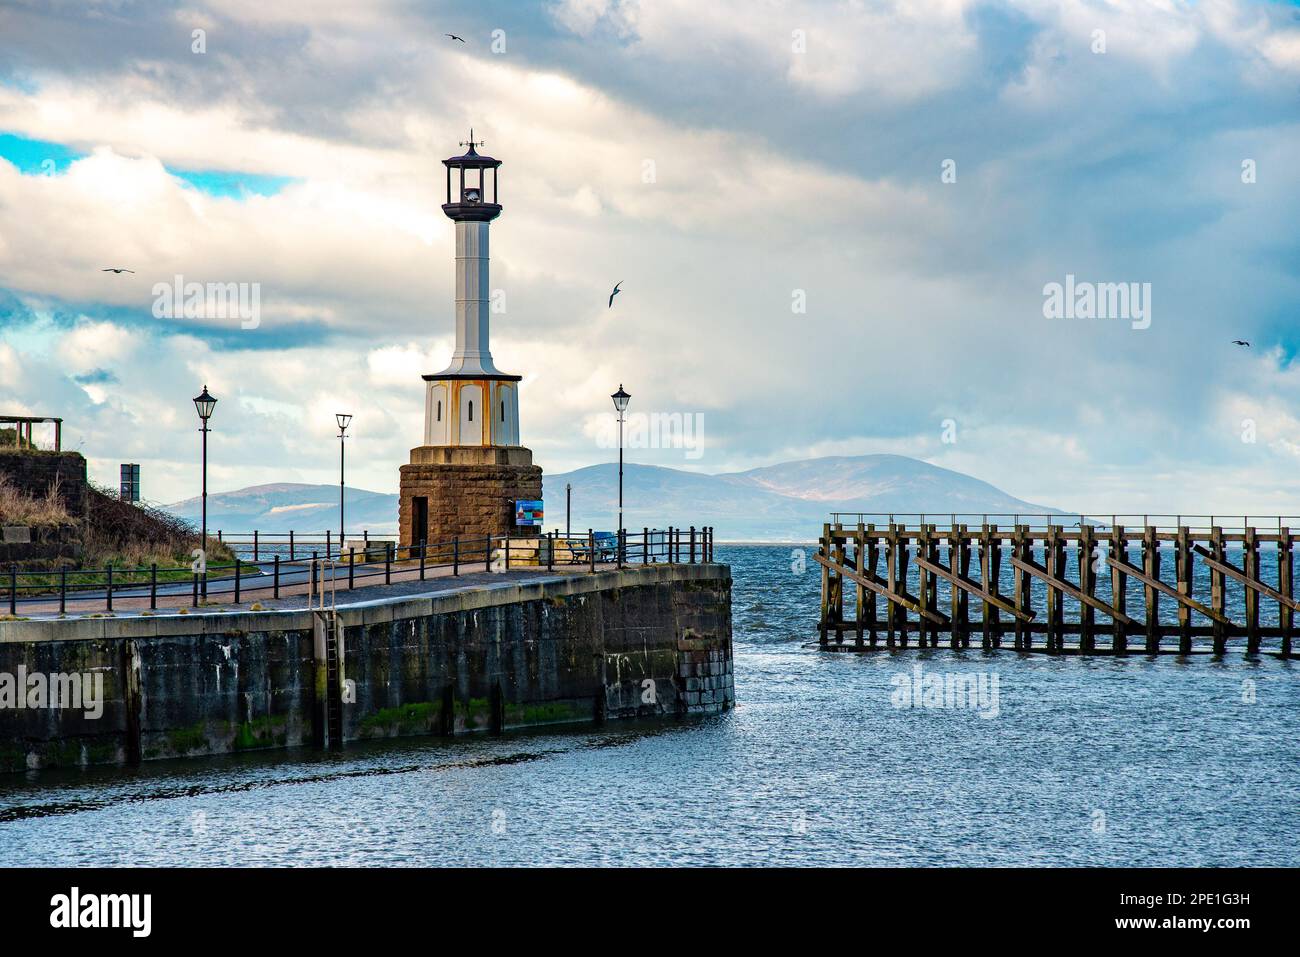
[{"x": 1088, "y": 761}]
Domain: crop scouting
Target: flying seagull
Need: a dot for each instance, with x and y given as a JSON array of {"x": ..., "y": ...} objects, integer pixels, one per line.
[
  {"x": 454, "y": 37},
  {"x": 118, "y": 271},
  {"x": 1241, "y": 342},
  {"x": 614, "y": 293}
]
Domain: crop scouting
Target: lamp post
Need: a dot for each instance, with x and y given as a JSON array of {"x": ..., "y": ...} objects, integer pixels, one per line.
[
  {"x": 342, "y": 418},
  {"x": 621, "y": 399},
  {"x": 204, "y": 404}
]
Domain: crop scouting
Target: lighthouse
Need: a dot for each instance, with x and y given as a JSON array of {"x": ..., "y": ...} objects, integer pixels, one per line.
[{"x": 466, "y": 477}]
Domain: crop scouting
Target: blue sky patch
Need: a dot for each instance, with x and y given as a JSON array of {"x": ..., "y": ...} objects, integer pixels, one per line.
[
  {"x": 233, "y": 185},
  {"x": 36, "y": 157}
]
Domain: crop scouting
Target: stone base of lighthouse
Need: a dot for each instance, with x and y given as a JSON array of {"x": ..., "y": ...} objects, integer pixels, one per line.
[{"x": 465, "y": 491}]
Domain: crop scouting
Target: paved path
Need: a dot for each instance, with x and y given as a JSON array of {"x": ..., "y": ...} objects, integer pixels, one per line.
[{"x": 259, "y": 590}]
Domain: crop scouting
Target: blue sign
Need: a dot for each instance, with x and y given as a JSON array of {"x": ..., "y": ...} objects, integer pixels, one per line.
[{"x": 528, "y": 512}]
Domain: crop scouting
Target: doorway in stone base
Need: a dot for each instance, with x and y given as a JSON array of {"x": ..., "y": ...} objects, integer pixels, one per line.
[{"x": 419, "y": 521}]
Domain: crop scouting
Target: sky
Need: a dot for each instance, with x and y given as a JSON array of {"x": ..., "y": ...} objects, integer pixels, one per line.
[{"x": 835, "y": 223}]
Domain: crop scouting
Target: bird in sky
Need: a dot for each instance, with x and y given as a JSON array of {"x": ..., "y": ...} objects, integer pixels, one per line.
[
  {"x": 614, "y": 293},
  {"x": 1241, "y": 342},
  {"x": 454, "y": 37},
  {"x": 117, "y": 270}
]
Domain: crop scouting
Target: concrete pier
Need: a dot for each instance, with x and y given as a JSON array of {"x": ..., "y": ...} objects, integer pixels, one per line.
[{"x": 487, "y": 657}]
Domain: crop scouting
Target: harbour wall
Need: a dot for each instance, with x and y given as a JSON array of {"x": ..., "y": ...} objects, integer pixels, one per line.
[{"x": 638, "y": 642}]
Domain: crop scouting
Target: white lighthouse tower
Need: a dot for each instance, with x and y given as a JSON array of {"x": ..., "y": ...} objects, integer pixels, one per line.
[
  {"x": 469, "y": 473},
  {"x": 471, "y": 402}
]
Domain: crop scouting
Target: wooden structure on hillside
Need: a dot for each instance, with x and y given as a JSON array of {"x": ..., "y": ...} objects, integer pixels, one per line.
[
  {"x": 1075, "y": 581},
  {"x": 21, "y": 426}
]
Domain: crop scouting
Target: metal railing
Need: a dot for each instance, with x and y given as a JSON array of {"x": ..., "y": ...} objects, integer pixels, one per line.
[
  {"x": 371, "y": 563},
  {"x": 1044, "y": 520}
]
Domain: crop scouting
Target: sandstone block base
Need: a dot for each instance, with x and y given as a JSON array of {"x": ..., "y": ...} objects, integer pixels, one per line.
[{"x": 457, "y": 491}]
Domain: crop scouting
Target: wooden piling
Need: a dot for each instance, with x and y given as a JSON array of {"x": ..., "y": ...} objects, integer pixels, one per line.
[
  {"x": 1183, "y": 577},
  {"x": 1284, "y": 584},
  {"x": 1119, "y": 588},
  {"x": 860, "y": 560},
  {"x": 1250, "y": 565},
  {"x": 1088, "y": 585},
  {"x": 1218, "y": 594},
  {"x": 873, "y": 559},
  {"x": 1151, "y": 565}
]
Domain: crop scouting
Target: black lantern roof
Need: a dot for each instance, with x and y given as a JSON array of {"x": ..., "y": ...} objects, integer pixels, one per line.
[{"x": 471, "y": 159}]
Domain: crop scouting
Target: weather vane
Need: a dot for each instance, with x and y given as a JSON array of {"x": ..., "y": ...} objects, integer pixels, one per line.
[{"x": 471, "y": 144}]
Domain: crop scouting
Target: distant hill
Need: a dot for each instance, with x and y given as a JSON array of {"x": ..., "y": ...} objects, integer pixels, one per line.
[
  {"x": 785, "y": 502},
  {"x": 285, "y": 506}
]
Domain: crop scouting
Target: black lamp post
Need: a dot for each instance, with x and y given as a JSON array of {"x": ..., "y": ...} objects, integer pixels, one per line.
[
  {"x": 204, "y": 404},
  {"x": 342, "y": 418},
  {"x": 621, "y": 399}
]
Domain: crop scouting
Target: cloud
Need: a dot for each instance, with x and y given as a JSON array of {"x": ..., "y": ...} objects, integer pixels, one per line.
[{"x": 694, "y": 154}]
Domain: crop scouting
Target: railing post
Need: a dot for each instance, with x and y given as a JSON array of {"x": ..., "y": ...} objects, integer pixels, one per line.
[
  {"x": 507, "y": 541},
  {"x": 455, "y": 555},
  {"x": 276, "y": 580},
  {"x": 238, "y": 564},
  {"x": 487, "y": 553},
  {"x": 254, "y": 544},
  {"x": 422, "y": 548},
  {"x": 645, "y": 544},
  {"x": 388, "y": 563},
  {"x": 550, "y": 552},
  {"x": 153, "y": 587},
  {"x": 328, "y": 543},
  {"x": 352, "y": 564},
  {"x": 108, "y": 592},
  {"x": 194, "y": 599},
  {"x": 692, "y": 545},
  {"x": 63, "y": 589},
  {"x": 591, "y": 549},
  {"x": 290, "y": 544},
  {"x": 13, "y": 590}
]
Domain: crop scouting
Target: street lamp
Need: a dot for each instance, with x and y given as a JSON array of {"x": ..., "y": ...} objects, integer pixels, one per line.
[
  {"x": 204, "y": 404},
  {"x": 342, "y": 418},
  {"x": 621, "y": 399}
]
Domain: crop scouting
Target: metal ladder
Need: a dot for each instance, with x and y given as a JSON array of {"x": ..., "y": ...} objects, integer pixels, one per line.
[{"x": 327, "y": 614}]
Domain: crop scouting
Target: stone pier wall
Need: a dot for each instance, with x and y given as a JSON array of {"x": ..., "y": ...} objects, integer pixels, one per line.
[{"x": 642, "y": 642}]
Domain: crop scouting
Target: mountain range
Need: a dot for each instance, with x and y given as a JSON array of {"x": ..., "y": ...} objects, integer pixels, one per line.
[{"x": 785, "y": 502}]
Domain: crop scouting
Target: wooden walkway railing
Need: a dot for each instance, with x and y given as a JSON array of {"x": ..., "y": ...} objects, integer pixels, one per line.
[{"x": 1091, "y": 572}]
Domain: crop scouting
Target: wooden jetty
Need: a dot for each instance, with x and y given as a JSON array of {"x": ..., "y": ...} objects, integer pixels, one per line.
[{"x": 1065, "y": 580}]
